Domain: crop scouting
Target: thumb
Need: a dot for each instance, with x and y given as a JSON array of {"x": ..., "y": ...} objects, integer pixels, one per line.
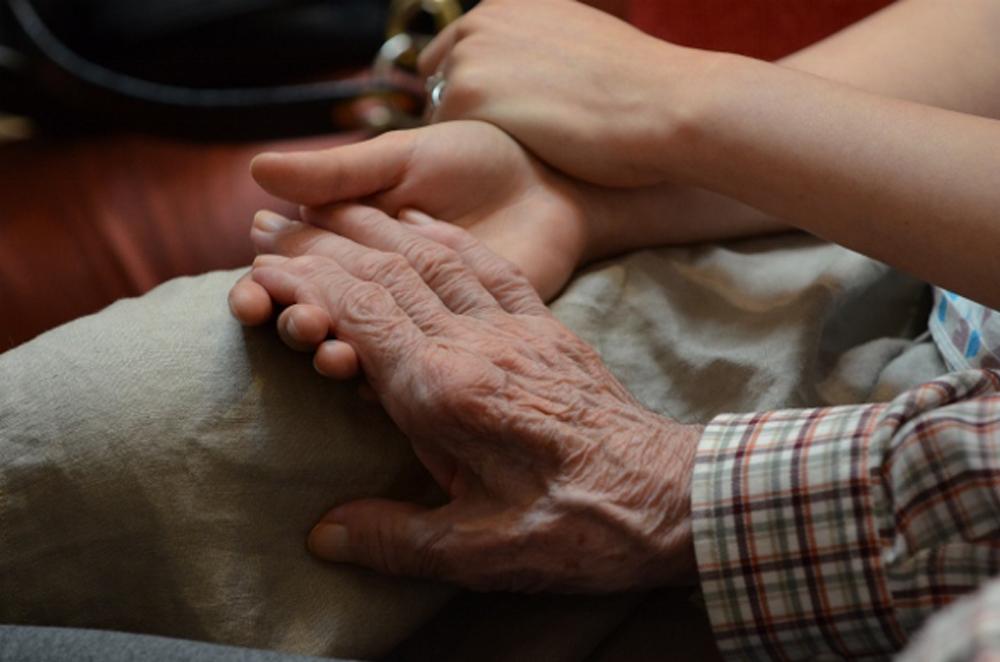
[
  {"x": 323, "y": 177},
  {"x": 391, "y": 537}
]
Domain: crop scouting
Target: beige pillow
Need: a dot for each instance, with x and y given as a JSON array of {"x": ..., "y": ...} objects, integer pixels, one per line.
[{"x": 160, "y": 466}]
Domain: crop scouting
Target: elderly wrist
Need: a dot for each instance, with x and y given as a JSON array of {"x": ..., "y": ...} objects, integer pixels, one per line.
[
  {"x": 665, "y": 461},
  {"x": 686, "y": 567},
  {"x": 681, "y": 443}
]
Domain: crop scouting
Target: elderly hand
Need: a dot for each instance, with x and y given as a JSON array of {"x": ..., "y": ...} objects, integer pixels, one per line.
[
  {"x": 467, "y": 173},
  {"x": 557, "y": 477},
  {"x": 586, "y": 92}
]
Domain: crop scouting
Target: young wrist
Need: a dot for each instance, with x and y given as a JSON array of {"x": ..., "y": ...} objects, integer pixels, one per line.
[
  {"x": 692, "y": 93},
  {"x": 602, "y": 225}
]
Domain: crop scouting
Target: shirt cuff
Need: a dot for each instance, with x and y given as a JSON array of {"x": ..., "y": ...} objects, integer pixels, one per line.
[{"x": 786, "y": 526}]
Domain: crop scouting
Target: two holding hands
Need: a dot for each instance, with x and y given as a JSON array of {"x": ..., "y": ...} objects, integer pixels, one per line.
[
  {"x": 427, "y": 255},
  {"x": 557, "y": 477}
]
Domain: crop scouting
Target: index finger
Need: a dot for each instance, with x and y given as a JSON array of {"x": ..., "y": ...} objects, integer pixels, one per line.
[{"x": 435, "y": 52}]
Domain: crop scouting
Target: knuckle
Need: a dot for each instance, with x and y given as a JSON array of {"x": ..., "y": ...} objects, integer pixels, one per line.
[
  {"x": 508, "y": 271},
  {"x": 384, "y": 551},
  {"x": 505, "y": 278},
  {"x": 463, "y": 392},
  {"x": 463, "y": 29},
  {"x": 307, "y": 264},
  {"x": 314, "y": 268},
  {"x": 363, "y": 216},
  {"x": 438, "y": 322},
  {"x": 359, "y": 291},
  {"x": 396, "y": 552},
  {"x": 469, "y": 25},
  {"x": 475, "y": 22},
  {"x": 512, "y": 359},
  {"x": 364, "y": 301},
  {"x": 461, "y": 51},
  {"x": 382, "y": 267},
  {"x": 434, "y": 262},
  {"x": 467, "y": 87}
]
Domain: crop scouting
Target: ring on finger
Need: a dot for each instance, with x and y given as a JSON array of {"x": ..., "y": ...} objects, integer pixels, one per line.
[{"x": 436, "y": 86}]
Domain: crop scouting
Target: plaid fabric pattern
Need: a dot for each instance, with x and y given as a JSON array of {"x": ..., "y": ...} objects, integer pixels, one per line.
[{"x": 837, "y": 532}]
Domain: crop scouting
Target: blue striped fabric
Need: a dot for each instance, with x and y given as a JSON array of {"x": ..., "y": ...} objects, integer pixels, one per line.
[{"x": 967, "y": 333}]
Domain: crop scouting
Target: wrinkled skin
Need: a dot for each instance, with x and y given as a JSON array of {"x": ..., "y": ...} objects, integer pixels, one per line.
[
  {"x": 558, "y": 478},
  {"x": 467, "y": 173},
  {"x": 584, "y": 91}
]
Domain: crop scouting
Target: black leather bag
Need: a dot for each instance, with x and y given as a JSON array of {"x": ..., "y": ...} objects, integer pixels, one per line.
[{"x": 210, "y": 68}]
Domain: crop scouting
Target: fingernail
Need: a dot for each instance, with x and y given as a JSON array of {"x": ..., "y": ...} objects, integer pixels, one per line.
[
  {"x": 267, "y": 260},
  {"x": 268, "y": 221},
  {"x": 330, "y": 541},
  {"x": 264, "y": 156},
  {"x": 415, "y": 217},
  {"x": 293, "y": 330}
]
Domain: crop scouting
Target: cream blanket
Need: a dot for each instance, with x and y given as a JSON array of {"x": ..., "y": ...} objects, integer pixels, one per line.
[{"x": 160, "y": 466}]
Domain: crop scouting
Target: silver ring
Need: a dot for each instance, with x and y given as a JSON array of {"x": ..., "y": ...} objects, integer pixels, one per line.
[{"x": 436, "y": 86}]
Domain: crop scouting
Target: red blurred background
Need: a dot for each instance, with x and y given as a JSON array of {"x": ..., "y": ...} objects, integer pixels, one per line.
[{"x": 86, "y": 221}]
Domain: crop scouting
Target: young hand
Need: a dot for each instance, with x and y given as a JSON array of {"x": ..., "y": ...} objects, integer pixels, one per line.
[
  {"x": 470, "y": 174},
  {"x": 589, "y": 94},
  {"x": 467, "y": 173}
]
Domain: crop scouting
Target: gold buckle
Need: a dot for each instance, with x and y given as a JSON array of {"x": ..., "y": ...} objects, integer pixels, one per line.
[
  {"x": 383, "y": 111},
  {"x": 403, "y": 12}
]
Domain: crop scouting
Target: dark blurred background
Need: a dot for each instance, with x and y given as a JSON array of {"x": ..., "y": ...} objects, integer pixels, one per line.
[{"x": 102, "y": 199}]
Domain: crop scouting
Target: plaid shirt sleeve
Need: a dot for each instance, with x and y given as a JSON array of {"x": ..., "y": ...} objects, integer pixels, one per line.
[{"x": 837, "y": 532}]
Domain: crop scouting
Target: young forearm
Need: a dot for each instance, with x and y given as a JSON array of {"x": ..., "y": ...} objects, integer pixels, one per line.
[
  {"x": 908, "y": 184},
  {"x": 623, "y": 220},
  {"x": 934, "y": 52}
]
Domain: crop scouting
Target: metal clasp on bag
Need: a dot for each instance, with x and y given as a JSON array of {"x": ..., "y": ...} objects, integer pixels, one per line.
[
  {"x": 403, "y": 13},
  {"x": 394, "y": 67}
]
